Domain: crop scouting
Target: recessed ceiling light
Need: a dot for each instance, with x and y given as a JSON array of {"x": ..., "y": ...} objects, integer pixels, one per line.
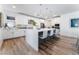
[{"x": 13, "y": 6}]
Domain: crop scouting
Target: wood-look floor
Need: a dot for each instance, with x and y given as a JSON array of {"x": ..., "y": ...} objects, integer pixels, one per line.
[
  {"x": 62, "y": 46},
  {"x": 18, "y": 46}
]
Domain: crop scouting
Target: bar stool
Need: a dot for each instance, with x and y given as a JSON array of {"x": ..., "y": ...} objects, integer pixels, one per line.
[
  {"x": 42, "y": 36},
  {"x": 50, "y": 34},
  {"x": 56, "y": 33}
]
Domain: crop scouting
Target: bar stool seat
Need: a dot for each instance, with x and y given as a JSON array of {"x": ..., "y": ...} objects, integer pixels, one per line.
[
  {"x": 42, "y": 36},
  {"x": 50, "y": 34}
]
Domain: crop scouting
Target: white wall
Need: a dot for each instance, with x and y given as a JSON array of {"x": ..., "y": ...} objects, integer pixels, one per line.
[{"x": 65, "y": 25}]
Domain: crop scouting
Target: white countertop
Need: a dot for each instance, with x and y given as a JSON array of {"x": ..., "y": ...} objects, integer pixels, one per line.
[{"x": 45, "y": 29}]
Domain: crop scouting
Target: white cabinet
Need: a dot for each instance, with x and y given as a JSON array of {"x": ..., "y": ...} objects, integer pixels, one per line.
[
  {"x": 18, "y": 33},
  {"x": 6, "y": 34},
  {"x": 21, "y": 19}
]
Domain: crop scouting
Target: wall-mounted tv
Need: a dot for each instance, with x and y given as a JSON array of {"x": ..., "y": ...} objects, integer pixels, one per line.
[{"x": 75, "y": 22}]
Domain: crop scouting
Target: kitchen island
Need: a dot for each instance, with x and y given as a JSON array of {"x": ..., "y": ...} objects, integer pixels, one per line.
[{"x": 32, "y": 37}]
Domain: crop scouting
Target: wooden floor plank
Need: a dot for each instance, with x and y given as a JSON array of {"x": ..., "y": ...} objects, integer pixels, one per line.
[{"x": 18, "y": 46}]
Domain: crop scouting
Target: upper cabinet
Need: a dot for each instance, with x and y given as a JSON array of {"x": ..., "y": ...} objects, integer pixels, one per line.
[{"x": 21, "y": 20}]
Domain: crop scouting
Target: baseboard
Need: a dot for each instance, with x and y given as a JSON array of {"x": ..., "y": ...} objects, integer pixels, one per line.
[
  {"x": 68, "y": 37},
  {"x": 13, "y": 38}
]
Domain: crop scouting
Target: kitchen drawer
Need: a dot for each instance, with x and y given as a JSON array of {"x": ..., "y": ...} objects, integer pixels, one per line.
[
  {"x": 18, "y": 33},
  {"x": 6, "y": 34}
]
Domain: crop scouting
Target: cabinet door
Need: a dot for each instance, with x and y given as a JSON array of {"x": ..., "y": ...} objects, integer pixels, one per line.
[
  {"x": 21, "y": 19},
  {"x": 18, "y": 33},
  {"x": 6, "y": 34}
]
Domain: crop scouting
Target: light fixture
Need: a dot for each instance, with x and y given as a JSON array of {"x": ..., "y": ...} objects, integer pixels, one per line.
[{"x": 13, "y": 6}]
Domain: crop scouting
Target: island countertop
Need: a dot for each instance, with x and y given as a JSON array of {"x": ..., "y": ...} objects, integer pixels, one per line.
[{"x": 45, "y": 29}]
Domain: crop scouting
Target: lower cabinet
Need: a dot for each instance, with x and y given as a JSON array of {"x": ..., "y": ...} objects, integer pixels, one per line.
[
  {"x": 18, "y": 33},
  {"x": 6, "y": 34}
]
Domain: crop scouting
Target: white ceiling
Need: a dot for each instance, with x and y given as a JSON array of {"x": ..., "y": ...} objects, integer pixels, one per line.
[{"x": 43, "y": 10}]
